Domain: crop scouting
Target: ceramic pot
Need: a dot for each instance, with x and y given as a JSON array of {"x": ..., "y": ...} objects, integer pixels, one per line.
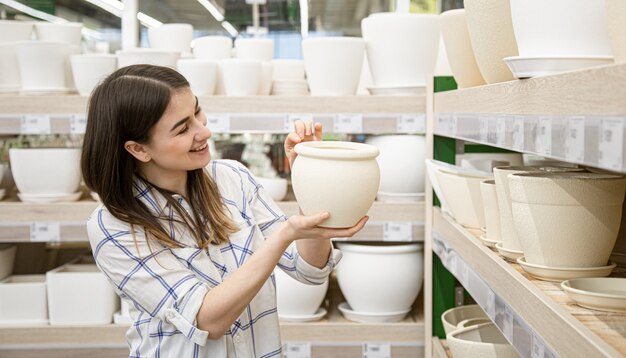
[
  {"x": 616, "y": 21},
  {"x": 90, "y": 69},
  {"x": 454, "y": 316},
  {"x": 481, "y": 341},
  {"x": 23, "y": 300},
  {"x": 171, "y": 37},
  {"x": 553, "y": 28},
  {"x": 10, "y": 80},
  {"x": 492, "y": 211},
  {"x": 201, "y": 74},
  {"x": 491, "y": 33},
  {"x": 339, "y": 177},
  {"x": 147, "y": 56},
  {"x": 333, "y": 64},
  {"x": 60, "y": 167},
  {"x": 275, "y": 187},
  {"x": 11, "y": 31},
  {"x": 397, "y": 272},
  {"x": 288, "y": 70},
  {"x": 43, "y": 66},
  {"x": 254, "y": 49},
  {"x": 213, "y": 48},
  {"x": 265, "y": 88},
  {"x": 69, "y": 33},
  {"x": 459, "y": 49},
  {"x": 241, "y": 77},
  {"x": 567, "y": 219},
  {"x": 295, "y": 298},
  {"x": 462, "y": 194}
]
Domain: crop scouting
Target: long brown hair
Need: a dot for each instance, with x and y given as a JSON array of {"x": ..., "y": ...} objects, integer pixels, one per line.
[{"x": 126, "y": 106}]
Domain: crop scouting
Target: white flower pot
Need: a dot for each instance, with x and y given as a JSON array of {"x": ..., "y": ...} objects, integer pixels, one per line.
[
  {"x": 43, "y": 66},
  {"x": 555, "y": 28},
  {"x": 453, "y": 317},
  {"x": 459, "y": 49},
  {"x": 214, "y": 48},
  {"x": 616, "y": 21},
  {"x": 201, "y": 74},
  {"x": 567, "y": 219},
  {"x": 339, "y": 177},
  {"x": 288, "y": 70},
  {"x": 481, "y": 341},
  {"x": 254, "y": 49},
  {"x": 171, "y": 37},
  {"x": 9, "y": 69},
  {"x": 241, "y": 77},
  {"x": 11, "y": 31},
  {"x": 265, "y": 88},
  {"x": 491, "y": 33},
  {"x": 69, "y": 33},
  {"x": 462, "y": 194},
  {"x": 147, "y": 56},
  {"x": 401, "y": 48},
  {"x": 275, "y": 187},
  {"x": 295, "y": 298},
  {"x": 7, "y": 259},
  {"x": 492, "y": 211},
  {"x": 333, "y": 64},
  {"x": 380, "y": 278},
  {"x": 59, "y": 166},
  {"x": 23, "y": 300},
  {"x": 69, "y": 303},
  {"x": 90, "y": 69}
]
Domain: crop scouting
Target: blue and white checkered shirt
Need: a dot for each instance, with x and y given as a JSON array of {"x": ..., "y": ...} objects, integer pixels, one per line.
[{"x": 165, "y": 287}]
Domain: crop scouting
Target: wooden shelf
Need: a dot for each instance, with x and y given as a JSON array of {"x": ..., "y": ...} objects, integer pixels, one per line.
[{"x": 530, "y": 312}]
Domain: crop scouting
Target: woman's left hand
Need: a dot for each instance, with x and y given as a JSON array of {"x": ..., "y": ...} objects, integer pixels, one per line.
[{"x": 305, "y": 131}]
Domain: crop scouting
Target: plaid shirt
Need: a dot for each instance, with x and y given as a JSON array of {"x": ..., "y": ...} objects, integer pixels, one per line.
[{"x": 165, "y": 287}]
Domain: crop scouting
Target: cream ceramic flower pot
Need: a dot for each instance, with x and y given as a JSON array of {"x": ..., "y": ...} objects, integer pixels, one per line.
[
  {"x": 267, "y": 69},
  {"x": 459, "y": 49},
  {"x": 171, "y": 37},
  {"x": 567, "y": 219},
  {"x": 241, "y": 77},
  {"x": 90, "y": 69},
  {"x": 43, "y": 66},
  {"x": 492, "y": 211},
  {"x": 339, "y": 177},
  {"x": 378, "y": 278},
  {"x": 254, "y": 49},
  {"x": 295, "y": 298},
  {"x": 275, "y": 187},
  {"x": 201, "y": 74},
  {"x": 481, "y": 341},
  {"x": 462, "y": 194},
  {"x": 214, "y": 48},
  {"x": 491, "y": 33},
  {"x": 59, "y": 166},
  {"x": 11, "y": 31},
  {"x": 454, "y": 316},
  {"x": 616, "y": 21},
  {"x": 23, "y": 300}
]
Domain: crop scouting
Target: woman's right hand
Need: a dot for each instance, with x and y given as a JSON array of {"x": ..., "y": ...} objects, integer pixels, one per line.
[{"x": 307, "y": 227}]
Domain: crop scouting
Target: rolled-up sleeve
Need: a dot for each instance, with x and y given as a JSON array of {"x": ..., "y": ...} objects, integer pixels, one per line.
[
  {"x": 296, "y": 266},
  {"x": 148, "y": 274}
]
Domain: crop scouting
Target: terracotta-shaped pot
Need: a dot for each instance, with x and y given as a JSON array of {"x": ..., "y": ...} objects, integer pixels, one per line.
[
  {"x": 616, "y": 21},
  {"x": 491, "y": 33},
  {"x": 339, "y": 177},
  {"x": 171, "y": 37},
  {"x": 23, "y": 300},
  {"x": 295, "y": 298},
  {"x": 397, "y": 270},
  {"x": 454, "y": 316},
  {"x": 60, "y": 167},
  {"x": 201, "y": 74},
  {"x": 462, "y": 194},
  {"x": 492, "y": 211},
  {"x": 567, "y": 219},
  {"x": 481, "y": 341},
  {"x": 459, "y": 49},
  {"x": 89, "y": 69}
]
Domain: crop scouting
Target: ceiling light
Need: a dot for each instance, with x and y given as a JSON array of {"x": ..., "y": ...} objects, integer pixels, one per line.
[
  {"x": 216, "y": 11},
  {"x": 230, "y": 28}
]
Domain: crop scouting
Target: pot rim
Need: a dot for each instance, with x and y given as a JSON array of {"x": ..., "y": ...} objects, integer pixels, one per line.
[
  {"x": 454, "y": 336},
  {"x": 364, "y": 248},
  {"x": 336, "y": 150},
  {"x": 570, "y": 176}
]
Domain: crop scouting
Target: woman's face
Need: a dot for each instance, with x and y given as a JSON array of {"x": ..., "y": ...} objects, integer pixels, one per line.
[{"x": 179, "y": 139}]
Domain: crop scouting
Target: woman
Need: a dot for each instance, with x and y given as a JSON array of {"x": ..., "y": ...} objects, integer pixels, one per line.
[{"x": 191, "y": 249}]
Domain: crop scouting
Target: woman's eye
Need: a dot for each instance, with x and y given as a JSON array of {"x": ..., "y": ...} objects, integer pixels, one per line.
[
  {"x": 184, "y": 129},
  {"x": 198, "y": 111}
]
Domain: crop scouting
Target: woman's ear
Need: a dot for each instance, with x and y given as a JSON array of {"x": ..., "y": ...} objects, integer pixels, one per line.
[{"x": 139, "y": 151}]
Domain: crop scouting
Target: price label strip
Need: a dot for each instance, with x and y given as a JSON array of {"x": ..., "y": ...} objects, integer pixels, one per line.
[
  {"x": 376, "y": 350},
  {"x": 290, "y": 120},
  {"x": 518, "y": 133},
  {"x": 218, "y": 123},
  {"x": 348, "y": 123},
  {"x": 78, "y": 124},
  {"x": 297, "y": 350},
  {"x": 538, "y": 348},
  {"x": 543, "y": 142},
  {"x": 507, "y": 323},
  {"x": 35, "y": 124},
  {"x": 490, "y": 308},
  {"x": 612, "y": 143},
  {"x": 575, "y": 140},
  {"x": 411, "y": 123},
  {"x": 484, "y": 129},
  {"x": 501, "y": 131},
  {"x": 397, "y": 231},
  {"x": 45, "y": 232}
]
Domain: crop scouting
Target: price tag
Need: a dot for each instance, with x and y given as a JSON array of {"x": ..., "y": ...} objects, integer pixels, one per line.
[
  {"x": 218, "y": 123},
  {"x": 538, "y": 347},
  {"x": 490, "y": 306},
  {"x": 612, "y": 143},
  {"x": 447, "y": 124},
  {"x": 45, "y": 232},
  {"x": 575, "y": 140},
  {"x": 78, "y": 124},
  {"x": 376, "y": 350},
  {"x": 484, "y": 129},
  {"x": 501, "y": 132},
  {"x": 290, "y": 120},
  {"x": 297, "y": 350},
  {"x": 411, "y": 123},
  {"x": 518, "y": 133},
  {"x": 35, "y": 124},
  {"x": 348, "y": 123},
  {"x": 507, "y": 324},
  {"x": 397, "y": 231},
  {"x": 544, "y": 136}
]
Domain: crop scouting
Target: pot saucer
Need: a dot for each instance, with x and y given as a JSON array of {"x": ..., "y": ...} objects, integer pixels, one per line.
[
  {"x": 558, "y": 274},
  {"x": 49, "y": 198},
  {"x": 508, "y": 254},
  {"x": 399, "y": 197},
  {"x": 527, "y": 67},
  {"x": 397, "y": 90},
  {"x": 369, "y": 317},
  {"x": 489, "y": 243},
  {"x": 319, "y": 314},
  {"x": 597, "y": 293}
]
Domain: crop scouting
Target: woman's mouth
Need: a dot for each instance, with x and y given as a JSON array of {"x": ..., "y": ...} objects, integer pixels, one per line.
[{"x": 200, "y": 149}]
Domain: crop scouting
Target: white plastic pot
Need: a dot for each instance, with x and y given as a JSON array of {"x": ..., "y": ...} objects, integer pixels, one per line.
[
  {"x": 463, "y": 196},
  {"x": 147, "y": 56},
  {"x": 90, "y": 69},
  {"x": 213, "y": 48},
  {"x": 241, "y": 77},
  {"x": 481, "y": 341},
  {"x": 254, "y": 49},
  {"x": 201, "y": 74},
  {"x": 23, "y": 300},
  {"x": 459, "y": 49},
  {"x": 69, "y": 33},
  {"x": 616, "y": 21},
  {"x": 288, "y": 70},
  {"x": 295, "y": 298},
  {"x": 171, "y": 37},
  {"x": 43, "y": 66},
  {"x": 11, "y": 31},
  {"x": 59, "y": 166},
  {"x": 453, "y": 317},
  {"x": 9, "y": 69},
  {"x": 276, "y": 187}
]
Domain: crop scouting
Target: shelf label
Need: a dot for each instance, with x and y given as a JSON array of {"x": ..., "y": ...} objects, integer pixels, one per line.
[
  {"x": 397, "y": 231},
  {"x": 484, "y": 129},
  {"x": 447, "y": 124},
  {"x": 543, "y": 144},
  {"x": 507, "y": 323},
  {"x": 575, "y": 140},
  {"x": 348, "y": 123},
  {"x": 218, "y": 123},
  {"x": 501, "y": 132},
  {"x": 297, "y": 350},
  {"x": 45, "y": 232},
  {"x": 538, "y": 347},
  {"x": 376, "y": 350},
  {"x": 78, "y": 124},
  {"x": 411, "y": 123},
  {"x": 290, "y": 121},
  {"x": 35, "y": 124},
  {"x": 490, "y": 306},
  {"x": 612, "y": 143},
  {"x": 518, "y": 133}
]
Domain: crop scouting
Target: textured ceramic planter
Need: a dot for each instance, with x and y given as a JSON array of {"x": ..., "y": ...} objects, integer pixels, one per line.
[
  {"x": 492, "y": 211},
  {"x": 23, "y": 300},
  {"x": 567, "y": 219},
  {"x": 459, "y": 49},
  {"x": 60, "y": 167},
  {"x": 201, "y": 74},
  {"x": 339, "y": 177},
  {"x": 90, "y": 69},
  {"x": 396, "y": 270},
  {"x": 295, "y": 298},
  {"x": 616, "y": 21},
  {"x": 453, "y": 317},
  {"x": 462, "y": 194},
  {"x": 491, "y": 33},
  {"x": 481, "y": 341},
  {"x": 171, "y": 37}
]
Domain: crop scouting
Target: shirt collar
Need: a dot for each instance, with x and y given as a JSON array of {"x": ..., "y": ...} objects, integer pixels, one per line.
[{"x": 151, "y": 198}]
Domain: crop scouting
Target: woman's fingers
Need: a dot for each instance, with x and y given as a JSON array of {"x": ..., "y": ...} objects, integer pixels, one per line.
[
  {"x": 300, "y": 128},
  {"x": 349, "y": 232},
  {"x": 317, "y": 131}
]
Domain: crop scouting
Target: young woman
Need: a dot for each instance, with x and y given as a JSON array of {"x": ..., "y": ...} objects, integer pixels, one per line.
[{"x": 190, "y": 243}]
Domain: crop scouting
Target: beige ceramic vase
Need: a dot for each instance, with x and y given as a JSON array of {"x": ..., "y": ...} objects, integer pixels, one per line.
[
  {"x": 616, "y": 21},
  {"x": 491, "y": 33},
  {"x": 567, "y": 219},
  {"x": 339, "y": 177}
]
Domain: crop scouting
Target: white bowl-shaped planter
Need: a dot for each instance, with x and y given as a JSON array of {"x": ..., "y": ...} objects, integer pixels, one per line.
[
  {"x": 459, "y": 49},
  {"x": 567, "y": 219},
  {"x": 11, "y": 31},
  {"x": 69, "y": 303},
  {"x": 453, "y": 317},
  {"x": 43, "y": 66},
  {"x": 553, "y": 28},
  {"x": 23, "y": 300},
  {"x": 59, "y": 166},
  {"x": 401, "y": 162},
  {"x": 90, "y": 69},
  {"x": 339, "y": 177},
  {"x": 492, "y": 211},
  {"x": 397, "y": 270},
  {"x": 616, "y": 21},
  {"x": 69, "y": 33},
  {"x": 201, "y": 74},
  {"x": 265, "y": 88},
  {"x": 275, "y": 187},
  {"x": 288, "y": 70},
  {"x": 463, "y": 196},
  {"x": 333, "y": 64},
  {"x": 295, "y": 298},
  {"x": 214, "y": 48},
  {"x": 481, "y": 341},
  {"x": 171, "y": 37},
  {"x": 254, "y": 49},
  {"x": 147, "y": 56},
  {"x": 491, "y": 33},
  {"x": 7, "y": 259},
  {"x": 401, "y": 48},
  {"x": 241, "y": 77}
]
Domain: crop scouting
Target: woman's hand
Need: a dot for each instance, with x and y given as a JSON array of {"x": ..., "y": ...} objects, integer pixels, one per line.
[
  {"x": 306, "y": 227},
  {"x": 305, "y": 131}
]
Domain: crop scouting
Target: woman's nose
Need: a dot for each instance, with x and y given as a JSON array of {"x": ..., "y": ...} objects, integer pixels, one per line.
[{"x": 203, "y": 134}]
